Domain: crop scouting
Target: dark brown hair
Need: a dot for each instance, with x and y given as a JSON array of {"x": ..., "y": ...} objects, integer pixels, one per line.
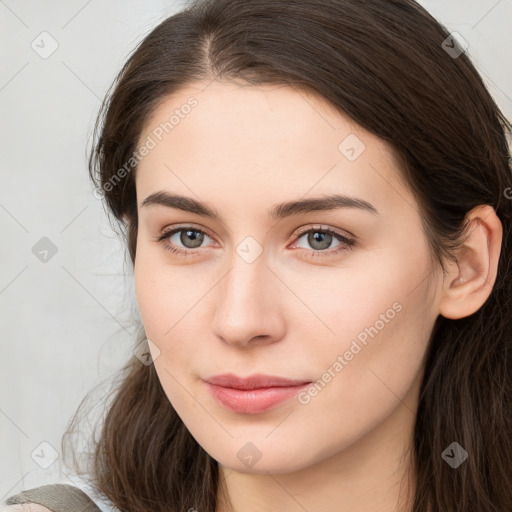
[{"x": 386, "y": 64}]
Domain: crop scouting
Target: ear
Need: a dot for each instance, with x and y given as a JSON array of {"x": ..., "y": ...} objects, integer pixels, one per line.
[{"x": 470, "y": 280}]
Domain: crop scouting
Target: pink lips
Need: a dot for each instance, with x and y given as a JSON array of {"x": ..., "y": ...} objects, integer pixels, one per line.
[{"x": 254, "y": 394}]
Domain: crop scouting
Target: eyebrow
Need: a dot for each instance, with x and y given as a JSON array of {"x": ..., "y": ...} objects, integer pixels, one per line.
[{"x": 277, "y": 212}]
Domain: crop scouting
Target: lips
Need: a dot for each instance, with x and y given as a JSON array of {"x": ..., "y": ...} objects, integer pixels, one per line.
[
  {"x": 256, "y": 381},
  {"x": 255, "y": 394}
]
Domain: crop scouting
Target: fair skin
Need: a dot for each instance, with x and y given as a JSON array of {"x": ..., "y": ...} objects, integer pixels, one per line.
[{"x": 242, "y": 150}]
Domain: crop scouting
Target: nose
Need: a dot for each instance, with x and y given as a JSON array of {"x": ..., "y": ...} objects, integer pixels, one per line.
[{"x": 247, "y": 308}]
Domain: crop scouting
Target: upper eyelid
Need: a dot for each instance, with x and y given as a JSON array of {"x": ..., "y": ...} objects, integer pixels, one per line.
[
  {"x": 177, "y": 229},
  {"x": 335, "y": 231}
]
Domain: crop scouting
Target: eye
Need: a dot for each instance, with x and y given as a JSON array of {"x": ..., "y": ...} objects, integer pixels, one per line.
[
  {"x": 320, "y": 238},
  {"x": 189, "y": 237},
  {"x": 185, "y": 239}
]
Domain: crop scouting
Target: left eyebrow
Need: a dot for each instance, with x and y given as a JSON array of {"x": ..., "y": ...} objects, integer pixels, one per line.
[
  {"x": 323, "y": 203},
  {"x": 277, "y": 212}
]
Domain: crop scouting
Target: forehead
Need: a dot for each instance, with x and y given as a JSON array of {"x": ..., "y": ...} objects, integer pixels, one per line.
[
  {"x": 260, "y": 138},
  {"x": 272, "y": 113}
]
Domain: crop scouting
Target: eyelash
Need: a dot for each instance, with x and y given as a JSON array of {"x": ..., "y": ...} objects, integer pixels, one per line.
[{"x": 347, "y": 243}]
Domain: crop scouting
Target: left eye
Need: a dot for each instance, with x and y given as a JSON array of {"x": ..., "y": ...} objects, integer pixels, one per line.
[{"x": 319, "y": 239}]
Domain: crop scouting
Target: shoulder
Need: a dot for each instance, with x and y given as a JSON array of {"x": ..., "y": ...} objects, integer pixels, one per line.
[
  {"x": 74, "y": 493},
  {"x": 50, "y": 497}
]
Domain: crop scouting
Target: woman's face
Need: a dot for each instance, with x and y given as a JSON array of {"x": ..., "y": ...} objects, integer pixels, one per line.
[{"x": 259, "y": 288}]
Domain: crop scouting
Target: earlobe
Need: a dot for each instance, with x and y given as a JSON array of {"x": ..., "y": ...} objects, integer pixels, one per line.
[{"x": 470, "y": 281}]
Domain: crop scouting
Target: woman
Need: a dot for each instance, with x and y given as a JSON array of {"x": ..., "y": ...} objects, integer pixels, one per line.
[{"x": 317, "y": 203}]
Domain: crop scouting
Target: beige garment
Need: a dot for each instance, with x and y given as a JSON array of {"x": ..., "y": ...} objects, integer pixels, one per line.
[{"x": 56, "y": 497}]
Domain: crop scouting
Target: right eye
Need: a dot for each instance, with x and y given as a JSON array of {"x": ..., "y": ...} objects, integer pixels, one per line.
[{"x": 191, "y": 238}]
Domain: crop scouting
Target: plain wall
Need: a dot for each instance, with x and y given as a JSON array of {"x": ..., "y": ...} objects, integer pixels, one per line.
[{"x": 68, "y": 323}]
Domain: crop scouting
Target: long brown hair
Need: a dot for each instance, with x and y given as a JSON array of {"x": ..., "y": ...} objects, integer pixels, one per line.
[{"x": 397, "y": 72}]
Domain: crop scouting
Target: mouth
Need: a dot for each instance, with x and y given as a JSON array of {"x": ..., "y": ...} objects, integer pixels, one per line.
[{"x": 255, "y": 394}]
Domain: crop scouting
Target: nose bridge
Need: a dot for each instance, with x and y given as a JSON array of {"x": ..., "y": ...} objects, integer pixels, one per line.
[{"x": 245, "y": 307}]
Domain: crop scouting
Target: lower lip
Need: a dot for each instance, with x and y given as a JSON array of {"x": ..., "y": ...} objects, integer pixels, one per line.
[{"x": 253, "y": 401}]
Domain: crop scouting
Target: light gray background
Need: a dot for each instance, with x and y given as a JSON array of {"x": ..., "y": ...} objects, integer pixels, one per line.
[{"x": 67, "y": 324}]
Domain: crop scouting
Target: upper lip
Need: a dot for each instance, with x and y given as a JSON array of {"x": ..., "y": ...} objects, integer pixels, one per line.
[{"x": 229, "y": 380}]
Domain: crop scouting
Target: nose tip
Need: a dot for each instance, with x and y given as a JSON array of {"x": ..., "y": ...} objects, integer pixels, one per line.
[
  {"x": 245, "y": 311},
  {"x": 243, "y": 331}
]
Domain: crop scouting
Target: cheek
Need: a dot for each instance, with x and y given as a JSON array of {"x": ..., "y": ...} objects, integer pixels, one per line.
[
  {"x": 379, "y": 323},
  {"x": 169, "y": 301},
  {"x": 158, "y": 297},
  {"x": 163, "y": 309},
  {"x": 373, "y": 294}
]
